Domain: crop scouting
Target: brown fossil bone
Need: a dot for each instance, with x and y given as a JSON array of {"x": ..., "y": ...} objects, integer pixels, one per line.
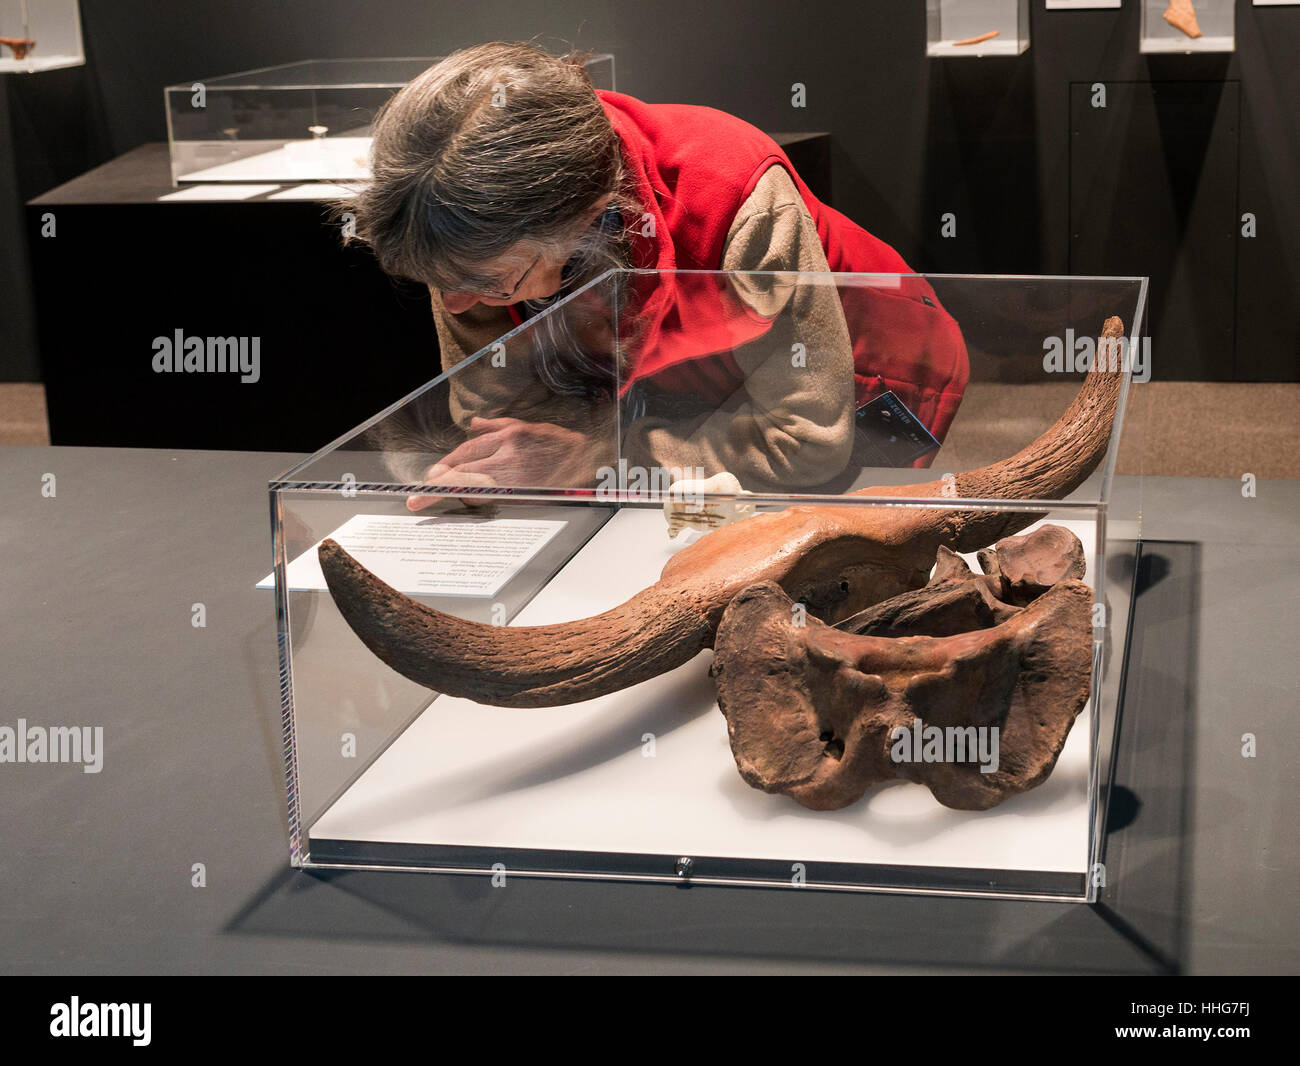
[
  {"x": 1181, "y": 15},
  {"x": 956, "y": 600},
  {"x": 1020, "y": 569},
  {"x": 977, "y": 40},
  {"x": 1017, "y": 570},
  {"x": 837, "y": 560},
  {"x": 818, "y": 714},
  {"x": 20, "y": 45}
]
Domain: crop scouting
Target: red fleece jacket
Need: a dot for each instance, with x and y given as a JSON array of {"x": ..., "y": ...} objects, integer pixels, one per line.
[{"x": 692, "y": 169}]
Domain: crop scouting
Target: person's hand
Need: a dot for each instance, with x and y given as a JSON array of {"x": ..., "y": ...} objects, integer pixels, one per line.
[
  {"x": 509, "y": 451},
  {"x": 441, "y": 474}
]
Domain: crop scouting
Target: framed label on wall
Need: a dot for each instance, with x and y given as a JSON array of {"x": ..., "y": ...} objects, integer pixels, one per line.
[{"x": 1063, "y": 5}]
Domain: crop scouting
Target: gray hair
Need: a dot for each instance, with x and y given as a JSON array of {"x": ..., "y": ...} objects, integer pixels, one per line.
[{"x": 496, "y": 145}]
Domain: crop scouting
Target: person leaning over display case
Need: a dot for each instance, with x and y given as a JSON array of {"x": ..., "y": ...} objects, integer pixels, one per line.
[{"x": 504, "y": 181}]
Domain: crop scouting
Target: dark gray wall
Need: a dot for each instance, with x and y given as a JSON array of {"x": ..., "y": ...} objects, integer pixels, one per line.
[
  {"x": 988, "y": 139},
  {"x": 17, "y": 328}
]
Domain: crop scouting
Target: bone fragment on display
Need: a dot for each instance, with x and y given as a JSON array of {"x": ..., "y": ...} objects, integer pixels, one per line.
[
  {"x": 20, "y": 45},
  {"x": 1020, "y": 569},
  {"x": 948, "y": 565},
  {"x": 1181, "y": 15},
  {"x": 954, "y": 601},
  {"x": 688, "y": 508},
  {"x": 977, "y": 40}
]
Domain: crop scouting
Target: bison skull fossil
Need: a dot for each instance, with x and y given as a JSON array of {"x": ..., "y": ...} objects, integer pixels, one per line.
[
  {"x": 838, "y": 560},
  {"x": 822, "y": 714}
]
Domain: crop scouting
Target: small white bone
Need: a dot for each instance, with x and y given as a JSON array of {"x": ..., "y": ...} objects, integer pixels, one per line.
[{"x": 687, "y": 508}]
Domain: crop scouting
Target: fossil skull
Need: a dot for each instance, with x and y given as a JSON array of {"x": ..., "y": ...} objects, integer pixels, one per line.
[{"x": 818, "y": 713}]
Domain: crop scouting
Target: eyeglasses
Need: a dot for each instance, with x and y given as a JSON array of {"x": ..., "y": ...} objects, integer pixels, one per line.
[
  {"x": 495, "y": 294},
  {"x": 608, "y": 221}
]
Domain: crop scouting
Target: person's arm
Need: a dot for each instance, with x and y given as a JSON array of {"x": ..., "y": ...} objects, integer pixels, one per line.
[
  {"x": 411, "y": 437},
  {"x": 507, "y": 427},
  {"x": 793, "y": 428},
  {"x": 486, "y": 389}
]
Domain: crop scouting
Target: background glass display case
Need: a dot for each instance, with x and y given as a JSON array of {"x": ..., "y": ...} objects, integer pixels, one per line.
[
  {"x": 40, "y": 35},
  {"x": 602, "y": 403},
  {"x": 976, "y": 27},
  {"x": 1188, "y": 26},
  {"x": 307, "y": 121}
]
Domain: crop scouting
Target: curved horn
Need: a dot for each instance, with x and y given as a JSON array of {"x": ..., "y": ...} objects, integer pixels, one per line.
[
  {"x": 525, "y": 666},
  {"x": 1050, "y": 468},
  {"x": 837, "y": 559}
]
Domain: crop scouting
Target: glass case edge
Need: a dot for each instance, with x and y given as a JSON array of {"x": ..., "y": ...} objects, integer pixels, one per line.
[
  {"x": 184, "y": 87},
  {"x": 309, "y": 863},
  {"x": 1101, "y": 801},
  {"x": 180, "y": 86},
  {"x": 292, "y": 787}
]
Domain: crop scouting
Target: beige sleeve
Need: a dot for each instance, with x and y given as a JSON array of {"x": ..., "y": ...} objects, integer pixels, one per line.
[
  {"x": 419, "y": 433},
  {"x": 483, "y": 390},
  {"x": 793, "y": 427}
]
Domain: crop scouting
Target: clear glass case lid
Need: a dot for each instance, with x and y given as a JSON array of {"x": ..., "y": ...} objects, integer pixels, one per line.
[
  {"x": 796, "y": 384},
  {"x": 365, "y": 73},
  {"x": 325, "y": 73},
  {"x": 307, "y": 121}
]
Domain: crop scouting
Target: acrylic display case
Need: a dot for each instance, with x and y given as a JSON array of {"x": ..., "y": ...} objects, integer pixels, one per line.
[
  {"x": 976, "y": 27},
  {"x": 45, "y": 35},
  {"x": 1215, "y": 22},
  {"x": 604, "y": 400},
  {"x": 301, "y": 122}
]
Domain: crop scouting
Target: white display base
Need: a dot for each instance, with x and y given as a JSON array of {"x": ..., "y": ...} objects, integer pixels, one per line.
[
  {"x": 216, "y": 192},
  {"x": 1154, "y": 45},
  {"x": 315, "y": 191},
  {"x": 998, "y": 46},
  {"x": 35, "y": 63},
  {"x": 327, "y": 159},
  {"x": 579, "y": 778}
]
